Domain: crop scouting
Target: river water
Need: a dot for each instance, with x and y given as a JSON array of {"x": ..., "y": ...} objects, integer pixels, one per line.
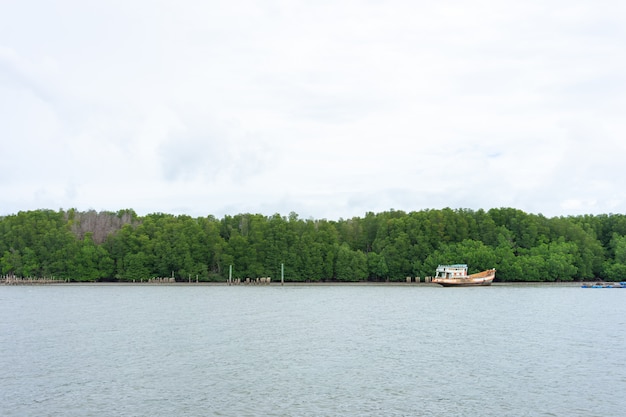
[{"x": 133, "y": 350}]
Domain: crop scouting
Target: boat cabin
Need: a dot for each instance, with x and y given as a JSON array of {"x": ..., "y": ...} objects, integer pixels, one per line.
[{"x": 451, "y": 271}]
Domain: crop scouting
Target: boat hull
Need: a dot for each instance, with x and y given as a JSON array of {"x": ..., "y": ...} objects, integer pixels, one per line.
[
  {"x": 475, "y": 280},
  {"x": 461, "y": 283}
]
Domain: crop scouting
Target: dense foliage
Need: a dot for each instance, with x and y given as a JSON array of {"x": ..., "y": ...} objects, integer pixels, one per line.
[{"x": 90, "y": 246}]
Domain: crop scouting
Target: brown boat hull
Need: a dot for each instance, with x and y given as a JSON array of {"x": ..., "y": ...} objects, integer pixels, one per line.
[
  {"x": 463, "y": 284},
  {"x": 483, "y": 278}
]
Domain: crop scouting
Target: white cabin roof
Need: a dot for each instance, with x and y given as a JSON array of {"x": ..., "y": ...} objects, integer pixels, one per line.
[{"x": 450, "y": 267}]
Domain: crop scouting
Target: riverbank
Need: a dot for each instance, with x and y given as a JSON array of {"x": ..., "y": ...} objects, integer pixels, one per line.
[{"x": 56, "y": 282}]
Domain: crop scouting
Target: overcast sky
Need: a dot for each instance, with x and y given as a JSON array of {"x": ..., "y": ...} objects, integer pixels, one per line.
[{"x": 329, "y": 109}]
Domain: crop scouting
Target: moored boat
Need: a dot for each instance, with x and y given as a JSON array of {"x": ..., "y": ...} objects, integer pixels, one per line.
[
  {"x": 622, "y": 284},
  {"x": 456, "y": 276}
]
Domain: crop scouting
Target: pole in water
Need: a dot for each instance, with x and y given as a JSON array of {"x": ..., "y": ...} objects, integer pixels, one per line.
[
  {"x": 282, "y": 274},
  {"x": 230, "y": 275}
]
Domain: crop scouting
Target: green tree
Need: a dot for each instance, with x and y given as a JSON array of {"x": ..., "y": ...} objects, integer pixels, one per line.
[
  {"x": 351, "y": 265},
  {"x": 558, "y": 258},
  {"x": 136, "y": 267},
  {"x": 377, "y": 266}
]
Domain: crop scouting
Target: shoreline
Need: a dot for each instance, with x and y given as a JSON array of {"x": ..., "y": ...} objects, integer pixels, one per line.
[{"x": 292, "y": 284}]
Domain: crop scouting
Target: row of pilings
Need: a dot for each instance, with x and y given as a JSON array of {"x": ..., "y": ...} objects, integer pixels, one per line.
[
  {"x": 160, "y": 280},
  {"x": 250, "y": 281},
  {"x": 418, "y": 279},
  {"x": 14, "y": 280}
]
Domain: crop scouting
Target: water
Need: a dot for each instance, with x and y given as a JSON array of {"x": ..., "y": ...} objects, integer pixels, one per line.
[{"x": 100, "y": 350}]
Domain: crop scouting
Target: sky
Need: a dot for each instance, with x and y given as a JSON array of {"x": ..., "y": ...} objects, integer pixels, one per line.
[{"x": 329, "y": 109}]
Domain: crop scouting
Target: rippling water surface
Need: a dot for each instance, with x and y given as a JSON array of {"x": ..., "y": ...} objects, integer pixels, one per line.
[{"x": 100, "y": 350}]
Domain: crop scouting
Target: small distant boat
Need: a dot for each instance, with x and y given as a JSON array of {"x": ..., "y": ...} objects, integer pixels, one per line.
[
  {"x": 622, "y": 284},
  {"x": 456, "y": 276}
]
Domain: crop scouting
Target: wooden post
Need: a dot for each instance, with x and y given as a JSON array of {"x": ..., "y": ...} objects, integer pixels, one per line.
[{"x": 282, "y": 274}]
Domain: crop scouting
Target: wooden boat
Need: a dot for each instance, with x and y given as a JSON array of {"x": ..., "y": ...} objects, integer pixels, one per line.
[{"x": 456, "y": 276}]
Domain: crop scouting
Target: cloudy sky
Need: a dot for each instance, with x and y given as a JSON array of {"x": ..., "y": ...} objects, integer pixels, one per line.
[{"x": 326, "y": 108}]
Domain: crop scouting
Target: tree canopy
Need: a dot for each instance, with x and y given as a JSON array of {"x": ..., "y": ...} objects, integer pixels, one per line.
[{"x": 386, "y": 246}]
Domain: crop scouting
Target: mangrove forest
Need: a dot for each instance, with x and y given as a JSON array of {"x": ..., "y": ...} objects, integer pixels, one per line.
[{"x": 77, "y": 245}]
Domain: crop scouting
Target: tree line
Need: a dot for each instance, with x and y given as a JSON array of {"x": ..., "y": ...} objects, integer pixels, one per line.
[{"x": 386, "y": 246}]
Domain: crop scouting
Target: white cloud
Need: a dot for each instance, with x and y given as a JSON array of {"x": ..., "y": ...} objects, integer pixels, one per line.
[{"x": 326, "y": 109}]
